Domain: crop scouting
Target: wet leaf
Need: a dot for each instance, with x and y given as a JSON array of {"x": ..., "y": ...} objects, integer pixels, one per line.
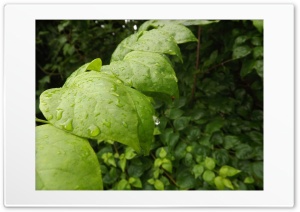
[
  {"x": 64, "y": 161},
  {"x": 95, "y": 105}
]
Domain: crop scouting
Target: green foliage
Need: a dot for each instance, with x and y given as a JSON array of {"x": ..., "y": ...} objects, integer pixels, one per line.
[{"x": 153, "y": 120}]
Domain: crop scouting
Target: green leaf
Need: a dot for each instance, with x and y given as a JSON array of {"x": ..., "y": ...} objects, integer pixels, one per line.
[
  {"x": 249, "y": 180},
  {"x": 95, "y": 105},
  {"x": 122, "y": 162},
  {"x": 135, "y": 182},
  {"x": 259, "y": 67},
  {"x": 181, "y": 123},
  {"x": 221, "y": 156},
  {"x": 258, "y": 52},
  {"x": 244, "y": 152},
  {"x": 257, "y": 169},
  {"x": 64, "y": 161},
  {"x": 124, "y": 47},
  {"x": 185, "y": 179},
  {"x": 162, "y": 153},
  {"x": 209, "y": 163},
  {"x": 259, "y": 24},
  {"x": 216, "y": 138},
  {"x": 180, "y": 33},
  {"x": 147, "y": 72},
  {"x": 109, "y": 159},
  {"x": 129, "y": 153},
  {"x": 198, "y": 170},
  {"x": 208, "y": 176},
  {"x": 167, "y": 165},
  {"x": 228, "y": 171},
  {"x": 231, "y": 141},
  {"x": 123, "y": 185},
  {"x": 247, "y": 67},
  {"x": 159, "y": 185},
  {"x": 228, "y": 183},
  {"x": 94, "y": 65},
  {"x": 219, "y": 183},
  {"x": 194, "y": 22},
  {"x": 241, "y": 51},
  {"x": 174, "y": 113},
  {"x": 214, "y": 126},
  {"x": 156, "y": 40},
  {"x": 157, "y": 162}
]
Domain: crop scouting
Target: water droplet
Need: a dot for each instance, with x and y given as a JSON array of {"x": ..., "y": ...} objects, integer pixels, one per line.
[
  {"x": 59, "y": 113},
  {"x": 125, "y": 124},
  {"x": 119, "y": 103},
  {"x": 107, "y": 123},
  {"x": 68, "y": 125},
  {"x": 50, "y": 117},
  {"x": 93, "y": 130},
  {"x": 115, "y": 94},
  {"x": 119, "y": 81},
  {"x": 156, "y": 120},
  {"x": 113, "y": 88}
]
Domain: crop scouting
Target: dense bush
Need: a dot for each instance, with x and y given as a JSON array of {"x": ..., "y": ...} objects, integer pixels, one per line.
[{"x": 207, "y": 127}]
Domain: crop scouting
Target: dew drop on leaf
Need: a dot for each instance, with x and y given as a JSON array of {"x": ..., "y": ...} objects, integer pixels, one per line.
[
  {"x": 115, "y": 94},
  {"x": 156, "y": 120},
  {"x": 68, "y": 125},
  {"x": 59, "y": 113},
  {"x": 50, "y": 117},
  {"x": 93, "y": 130},
  {"x": 107, "y": 123}
]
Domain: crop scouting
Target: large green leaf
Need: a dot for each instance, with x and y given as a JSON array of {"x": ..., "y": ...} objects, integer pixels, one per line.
[
  {"x": 156, "y": 40},
  {"x": 65, "y": 161},
  {"x": 124, "y": 47},
  {"x": 146, "y": 71},
  {"x": 98, "y": 106},
  {"x": 180, "y": 33}
]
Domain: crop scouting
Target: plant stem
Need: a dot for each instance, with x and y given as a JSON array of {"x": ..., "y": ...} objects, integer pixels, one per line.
[
  {"x": 220, "y": 64},
  {"x": 197, "y": 66},
  {"x": 41, "y": 120}
]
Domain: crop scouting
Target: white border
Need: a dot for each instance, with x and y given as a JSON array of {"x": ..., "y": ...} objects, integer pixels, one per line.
[{"x": 19, "y": 108}]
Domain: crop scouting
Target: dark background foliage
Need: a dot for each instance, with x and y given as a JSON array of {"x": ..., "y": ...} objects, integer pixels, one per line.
[{"x": 217, "y": 121}]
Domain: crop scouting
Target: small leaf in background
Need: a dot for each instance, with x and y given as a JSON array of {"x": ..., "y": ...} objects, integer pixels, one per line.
[
  {"x": 228, "y": 183},
  {"x": 221, "y": 156},
  {"x": 259, "y": 24},
  {"x": 159, "y": 185},
  {"x": 209, "y": 163},
  {"x": 181, "y": 123},
  {"x": 129, "y": 153},
  {"x": 208, "y": 176},
  {"x": 123, "y": 185},
  {"x": 244, "y": 151},
  {"x": 135, "y": 182},
  {"x": 259, "y": 67},
  {"x": 198, "y": 170},
  {"x": 228, "y": 171},
  {"x": 122, "y": 162},
  {"x": 247, "y": 67},
  {"x": 231, "y": 141},
  {"x": 214, "y": 126},
  {"x": 185, "y": 179},
  {"x": 173, "y": 113},
  {"x": 167, "y": 165},
  {"x": 64, "y": 161},
  {"x": 258, "y": 52},
  {"x": 241, "y": 51},
  {"x": 257, "y": 169},
  {"x": 219, "y": 183},
  {"x": 249, "y": 180},
  {"x": 162, "y": 153}
]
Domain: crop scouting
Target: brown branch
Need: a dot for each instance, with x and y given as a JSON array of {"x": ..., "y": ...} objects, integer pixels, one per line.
[
  {"x": 197, "y": 66},
  {"x": 220, "y": 64}
]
